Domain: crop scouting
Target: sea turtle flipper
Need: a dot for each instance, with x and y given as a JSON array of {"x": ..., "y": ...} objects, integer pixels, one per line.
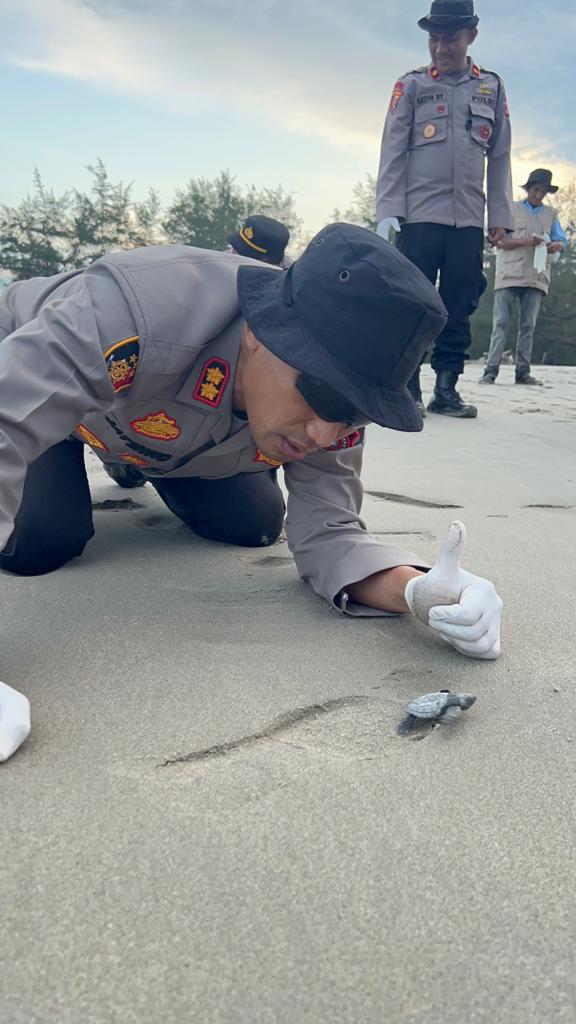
[
  {"x": 407, "y": 725},
  {"x": 451, "y": 715}
]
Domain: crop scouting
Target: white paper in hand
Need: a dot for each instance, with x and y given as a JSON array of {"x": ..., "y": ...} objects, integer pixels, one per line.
[{"x": 14, "y": 720}]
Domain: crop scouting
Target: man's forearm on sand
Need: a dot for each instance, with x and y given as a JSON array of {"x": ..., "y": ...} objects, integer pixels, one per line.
[{"x": 384, "y": 590}]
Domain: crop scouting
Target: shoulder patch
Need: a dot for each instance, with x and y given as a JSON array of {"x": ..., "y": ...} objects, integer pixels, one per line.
[
  {"x": 158, "y": 425},
  {"x": 351, "y": 441},
  {"x": 397, "y": 94},
  {"x": 121, "y": 362},
  {"x": 212, "y": 382}
]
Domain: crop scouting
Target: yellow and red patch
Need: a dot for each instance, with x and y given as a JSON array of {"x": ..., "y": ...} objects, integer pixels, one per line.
[
  {"x": 134, "y": 460},
  {"x": 212, "y": 382},
  {"x": 260, "y": 457},
  {"x": 397, "y": 94},
  {"x": 158, "y": 425},
  {"x": 475, "y": 71},
  {"x": 91, "y": 438},
  {"x": 351, "y": 441},
  {"x": 434, "y": 73},
  {"x": 121, "y": 362}
]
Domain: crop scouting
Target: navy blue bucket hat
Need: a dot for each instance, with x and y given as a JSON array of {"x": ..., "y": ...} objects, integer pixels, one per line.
[{"x": 353, "y": 313}]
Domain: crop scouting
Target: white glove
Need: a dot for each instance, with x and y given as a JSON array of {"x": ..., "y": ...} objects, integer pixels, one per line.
[
  {"x": 541, "y": 254},
  {"x": 385, "y": 225},
  {"x": 14, "y": 720},
  {"x": 464, "y": 609}
]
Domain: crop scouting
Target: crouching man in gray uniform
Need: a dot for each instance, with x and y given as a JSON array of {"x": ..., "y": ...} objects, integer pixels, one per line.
[
  {"x": 208, "y": 372},
  {"x": 445, "y": 121}
]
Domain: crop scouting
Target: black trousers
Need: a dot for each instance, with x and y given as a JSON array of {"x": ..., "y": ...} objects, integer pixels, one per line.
[
  {"x": 457, "y": 255},
  {"x": 54, "y": 522}
]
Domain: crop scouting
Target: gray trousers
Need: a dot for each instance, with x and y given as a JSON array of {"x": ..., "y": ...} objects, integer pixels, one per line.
[{"x": 530, "y": 300}]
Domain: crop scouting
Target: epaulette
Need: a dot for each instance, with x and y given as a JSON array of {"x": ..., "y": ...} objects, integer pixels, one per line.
[{"x": 486, "y": 71}]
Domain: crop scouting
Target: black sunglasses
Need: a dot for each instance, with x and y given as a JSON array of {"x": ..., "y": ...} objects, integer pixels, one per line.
[{"x": 328, "y": 404}]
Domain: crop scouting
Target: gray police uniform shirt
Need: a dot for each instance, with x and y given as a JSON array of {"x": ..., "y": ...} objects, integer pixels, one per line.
[
  {"x": 136, "y": 356},
  {"x": 439, "y": 133}
]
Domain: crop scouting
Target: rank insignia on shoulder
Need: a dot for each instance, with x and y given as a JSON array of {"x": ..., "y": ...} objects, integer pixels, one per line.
[
  {"x": 121, "y": 362},
  {"x": 91, "y": 438},
  {"x": 352, "y": 441},
  {"x": 212, "y": 382},
  {"x": 158, "y": 425},
  {"x": 260, "y": 457},
  {"x": 133, "y": 460}
]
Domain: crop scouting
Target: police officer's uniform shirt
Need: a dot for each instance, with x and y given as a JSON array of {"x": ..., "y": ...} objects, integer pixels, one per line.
[
  {"x": 136, "y": 356},
  {"x": 440, "y": 132}
]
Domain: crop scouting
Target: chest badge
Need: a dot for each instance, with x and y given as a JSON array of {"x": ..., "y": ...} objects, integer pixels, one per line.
[
  {"x": 260, "y": 457},
  {"x": 121, "y": 362},
  {"x": 485, "y": 132},
  {"x": 212, "y": 382},
  {"x": 158, "y": 425},
  {"x": 429, "y": 131},
  {"x": 91, "y": 438}
]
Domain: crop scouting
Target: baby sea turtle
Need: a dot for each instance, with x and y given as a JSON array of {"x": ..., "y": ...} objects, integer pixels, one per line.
[{"x": 435, "y": 707}]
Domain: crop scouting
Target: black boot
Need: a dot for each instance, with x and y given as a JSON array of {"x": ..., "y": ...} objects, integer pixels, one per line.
[
  {"x": 446, "y": 399},
  {"x": 125, "y": 476},
  {"x": 416, "y": 391}
]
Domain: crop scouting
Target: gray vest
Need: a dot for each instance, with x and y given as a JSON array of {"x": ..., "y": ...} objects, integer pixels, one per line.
[{"x": 515, "y": 267}]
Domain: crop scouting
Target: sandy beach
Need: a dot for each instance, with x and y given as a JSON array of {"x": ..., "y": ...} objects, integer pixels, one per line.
[{"x": 214, "y": 819}]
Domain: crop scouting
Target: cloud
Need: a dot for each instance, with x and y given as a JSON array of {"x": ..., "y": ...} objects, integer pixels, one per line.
[{"x": 320, "y": 69}]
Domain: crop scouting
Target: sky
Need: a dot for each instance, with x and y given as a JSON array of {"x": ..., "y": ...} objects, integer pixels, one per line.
[{"x": 290, "y": 92}]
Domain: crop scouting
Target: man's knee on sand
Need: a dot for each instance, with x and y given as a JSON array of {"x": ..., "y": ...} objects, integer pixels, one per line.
[{"x": 41, "y": 553}]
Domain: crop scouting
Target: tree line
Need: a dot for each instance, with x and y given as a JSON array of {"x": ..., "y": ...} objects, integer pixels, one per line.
[{"x": 48, "y": 233}]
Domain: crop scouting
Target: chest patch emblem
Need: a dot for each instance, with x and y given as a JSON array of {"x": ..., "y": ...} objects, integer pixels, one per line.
[
  {"x": 91, "y": 438},
  {"x": 121, "y": 362},
  {"x": 158, "y": 425},
  {"x": 429, "y": 131},
  {"x": 351, "y": 441},
  {"x": 133, "y": 460},
  {"x": 485, "y": 133},
  {"x": 260, "y": 457},
  {"x": 212, "y": 382}
]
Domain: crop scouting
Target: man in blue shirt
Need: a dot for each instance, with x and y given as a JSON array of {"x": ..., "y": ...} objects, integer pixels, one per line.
[{"x": 523, "y": 264}]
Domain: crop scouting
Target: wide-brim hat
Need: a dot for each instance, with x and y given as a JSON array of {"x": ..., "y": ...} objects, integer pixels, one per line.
[
  {"x": 450, "y": 16},
  {"x": 353, "y": 313},
  {"x": 262, "y": 238},
  {"x": 541, "y": 176}
]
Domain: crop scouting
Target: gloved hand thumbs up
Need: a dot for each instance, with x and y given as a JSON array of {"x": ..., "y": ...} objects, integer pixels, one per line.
[
  {"x": 464, "y": 609},
  {"x": 451, "y": 550},
  {"x": 442, "y": 585}
]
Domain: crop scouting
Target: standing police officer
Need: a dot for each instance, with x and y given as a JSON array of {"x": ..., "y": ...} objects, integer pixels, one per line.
[
  {"x": 444, "y": 122},
  {"x": 207, "y": 371}
]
